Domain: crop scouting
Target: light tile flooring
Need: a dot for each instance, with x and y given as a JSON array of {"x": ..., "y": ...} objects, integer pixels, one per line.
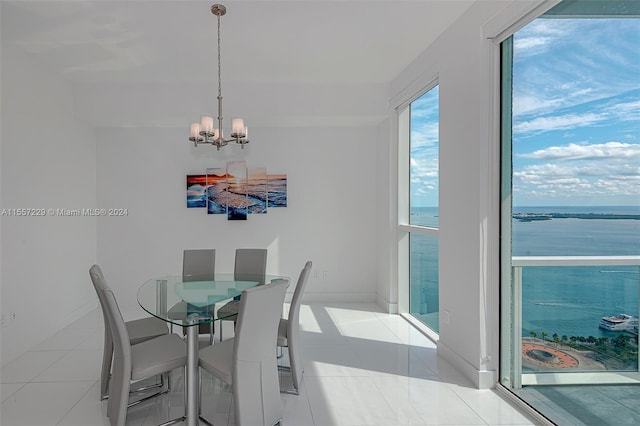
[{"x": 362, "y": 367}]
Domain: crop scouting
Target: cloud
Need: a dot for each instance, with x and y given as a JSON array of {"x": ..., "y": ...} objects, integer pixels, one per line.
[
  {"x": 626, "y": 111},
  {"x": 424, "y": 136},
  {"x": 560, "y": 122},
  {"x": 424, "y": 176},
  {"x": 597, "y": 171},
  {"x": 609, "y": 150}
]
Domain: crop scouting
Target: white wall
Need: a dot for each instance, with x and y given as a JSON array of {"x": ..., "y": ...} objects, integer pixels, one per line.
[
  {"x": 47, "y": 161},
  {"x": 330, "y": 217},
  {"x": 465, "y": 63}
]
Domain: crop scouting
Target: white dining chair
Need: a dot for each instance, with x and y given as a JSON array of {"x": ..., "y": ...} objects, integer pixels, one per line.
[
  {"x": 247, "y": 362},
  {"x": 250, "y": 265},
  {"x": 289, "y": 330},
  {"x": 199, "y": 265},
  {"x": 132, "y": 363},
  {"x": 139, "y": 330}
]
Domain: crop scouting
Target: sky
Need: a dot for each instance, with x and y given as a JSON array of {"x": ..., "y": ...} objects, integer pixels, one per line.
[
  {"x": 576, "y": 117},
  {"x": 576, "y": 112}
]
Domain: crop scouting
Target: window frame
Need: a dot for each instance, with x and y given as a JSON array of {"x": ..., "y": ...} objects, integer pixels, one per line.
[{"x": 405, "y": 228}]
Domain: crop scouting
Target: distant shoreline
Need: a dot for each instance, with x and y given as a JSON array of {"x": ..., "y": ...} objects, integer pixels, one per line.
[{"x": 530, "y": 217}]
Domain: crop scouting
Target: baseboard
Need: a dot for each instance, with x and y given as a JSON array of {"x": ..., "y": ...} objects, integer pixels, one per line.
[
  {"x": 482, "y": 379},
  {"x": 387, "y": 306}
]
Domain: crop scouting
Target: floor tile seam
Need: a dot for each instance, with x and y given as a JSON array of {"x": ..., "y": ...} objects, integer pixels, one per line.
[
  {"x": 6, "y": 397},
  {"x": 391, "y": 405},
  {"x": 306, "y": 398},
  {"x": 73, "y": 350},
  {"x": 359, "y": 340},
  {"x": 13, "y": 383},
  {"x": 47, "y": 350},
  {"x": 77, "y": 402},
  {"x": 407, "y": 323},
  {"x": 63, "y": 381},
  {"x": 338, "y": 324},
  {"x": 341, "y": 376},
  {"x": 32, "y": 379},
  {"x": 480, "y": 416},
  {"x": 68, "y": 349}
]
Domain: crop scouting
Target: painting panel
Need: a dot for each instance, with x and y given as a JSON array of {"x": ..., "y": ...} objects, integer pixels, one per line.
[
  {"x": 216, "y": 190},
  {"x": 257, "y": 190},
  {"x": 236, "y": 191},
  {"x": 196, "y": 191},
  {"x": 277, "y": 193}
]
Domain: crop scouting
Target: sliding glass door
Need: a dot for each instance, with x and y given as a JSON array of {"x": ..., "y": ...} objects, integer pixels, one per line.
[{"x": 571, "y": 199}]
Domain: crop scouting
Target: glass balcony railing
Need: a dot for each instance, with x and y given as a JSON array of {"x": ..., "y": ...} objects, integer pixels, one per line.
[{"x": 575, "y": 320}]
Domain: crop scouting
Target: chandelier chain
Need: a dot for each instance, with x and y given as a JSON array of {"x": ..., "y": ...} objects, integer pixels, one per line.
[{"x": 219, "y": 61}]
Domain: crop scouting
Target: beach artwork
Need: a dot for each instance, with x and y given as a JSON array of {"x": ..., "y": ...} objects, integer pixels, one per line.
[
  {"x": 196, "y": 191},
  {"x": 257, "y": 189},
  {"x": 216, "y": 190},
  {"x": 277, "y": 196},
  {"x": 237, "y": 190}
]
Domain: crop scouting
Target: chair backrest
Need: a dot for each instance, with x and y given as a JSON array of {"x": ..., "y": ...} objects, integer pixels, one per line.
[
  {"x": 115, "y": 325},
  {"x": 294, "y": 308},
  {"x": 99, "y": 284},
  {"x": 198, "y": 265},
  {"x": 250, "y": 265},
  {"x": 255, "y": 372}
]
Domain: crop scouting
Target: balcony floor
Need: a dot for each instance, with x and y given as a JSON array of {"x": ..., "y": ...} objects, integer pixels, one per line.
[{"x": 596, "y": 405}]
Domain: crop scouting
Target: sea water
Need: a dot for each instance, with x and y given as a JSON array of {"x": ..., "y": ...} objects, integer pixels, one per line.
[
  {"x": 570, "y": 301},
  {"x": 567, "y": 301}
]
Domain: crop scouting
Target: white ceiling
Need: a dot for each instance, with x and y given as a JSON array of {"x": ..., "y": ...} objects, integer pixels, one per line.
[{"x": 282, "y": 42}]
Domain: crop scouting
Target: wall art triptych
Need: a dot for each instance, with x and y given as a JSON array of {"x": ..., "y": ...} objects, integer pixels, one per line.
[{"x": 237, "y": 190}]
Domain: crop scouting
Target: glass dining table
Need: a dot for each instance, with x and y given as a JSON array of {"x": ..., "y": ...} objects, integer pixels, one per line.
[{"x": 191, "y": 301}]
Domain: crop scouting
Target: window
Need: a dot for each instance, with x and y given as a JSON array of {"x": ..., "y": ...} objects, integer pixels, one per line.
[
  {"x": 420, "y": 226},
  {"x": 571, "y": 168}
]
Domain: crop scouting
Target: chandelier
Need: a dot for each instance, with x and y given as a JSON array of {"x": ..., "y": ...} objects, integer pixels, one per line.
[{"x": 204, "y": 132}]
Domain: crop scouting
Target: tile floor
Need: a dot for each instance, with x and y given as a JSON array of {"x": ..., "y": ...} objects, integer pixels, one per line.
[{"x": 362, "y": 367}]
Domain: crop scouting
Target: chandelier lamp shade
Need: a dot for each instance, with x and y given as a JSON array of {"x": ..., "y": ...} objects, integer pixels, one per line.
[{"x": 205, "y": 131}]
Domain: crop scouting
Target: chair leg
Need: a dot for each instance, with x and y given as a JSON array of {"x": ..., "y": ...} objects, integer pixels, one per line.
[
  {"x": 200, "y": 416},
  {"x": 180, "y": 419},
  {"x": 289, "y": 368},
  {"x": 105, "y": 396}
]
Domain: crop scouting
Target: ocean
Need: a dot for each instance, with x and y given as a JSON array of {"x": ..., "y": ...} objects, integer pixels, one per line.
[
  {"x": 555, "y": 300},
  {"x": 571, "y": 300}
]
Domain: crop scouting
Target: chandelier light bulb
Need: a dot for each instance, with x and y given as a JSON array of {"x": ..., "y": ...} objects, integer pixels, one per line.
[{"x": 194, "y": 133}]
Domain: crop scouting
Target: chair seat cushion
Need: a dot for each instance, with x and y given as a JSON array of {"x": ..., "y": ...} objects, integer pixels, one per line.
[
  {"x": 157, "y": 356},
  {"x": 282, "y": 332},
  {"x": 229, "y": 310},
  {"x": 145, "y": 329},
  {"x": 218, "y": 360}
]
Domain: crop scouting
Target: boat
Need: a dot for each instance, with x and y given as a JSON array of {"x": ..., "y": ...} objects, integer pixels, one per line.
[{"x": 620, "y": 322}]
